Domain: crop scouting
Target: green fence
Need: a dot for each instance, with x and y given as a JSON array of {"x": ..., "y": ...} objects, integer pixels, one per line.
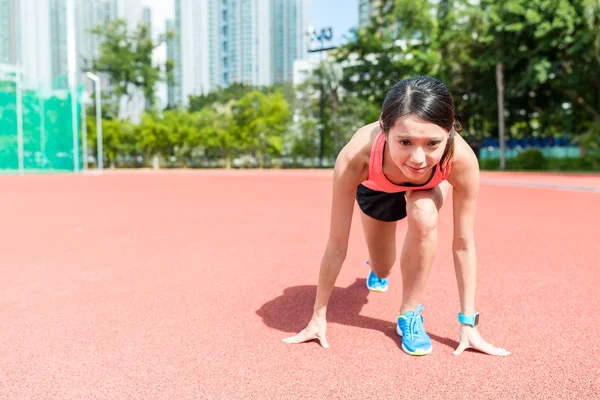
[{"x": 45, "y": 115}]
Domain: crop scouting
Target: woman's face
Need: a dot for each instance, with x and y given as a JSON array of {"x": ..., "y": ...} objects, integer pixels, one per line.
[{"x": 416, "y": 146}]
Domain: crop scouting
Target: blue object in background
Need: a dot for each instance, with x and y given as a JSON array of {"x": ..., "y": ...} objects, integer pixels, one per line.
[{"x": 558, "y": 146}]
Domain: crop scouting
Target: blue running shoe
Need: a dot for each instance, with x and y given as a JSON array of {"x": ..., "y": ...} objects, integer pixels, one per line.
[
  {"x": 414, "y": 339},
  {"x": 375, "y": 283}
]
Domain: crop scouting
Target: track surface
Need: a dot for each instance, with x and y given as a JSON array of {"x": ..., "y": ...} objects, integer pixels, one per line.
[{"x": 181, "y": 285}]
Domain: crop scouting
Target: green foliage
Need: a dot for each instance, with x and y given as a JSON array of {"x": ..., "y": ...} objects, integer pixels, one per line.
[
  {"x": 254, "y": 124},
  {"x": 127, "y": 59},
  {"x": 589, "y": 163},
  {"x": 260, "y": 120},
  {"x": 234, "y": 91},
  {"x": 220, "y": 96},
  {"x": 550, "y": 50},
  {"x": 218, "y": 131},
  {"x": 118, "y": 139},
  {"x": 545, "y": 47},
  {"x": 530, "y": 159}
]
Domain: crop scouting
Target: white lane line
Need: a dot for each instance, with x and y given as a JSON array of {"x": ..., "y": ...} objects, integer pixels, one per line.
[{"x": 576, "y": 188}]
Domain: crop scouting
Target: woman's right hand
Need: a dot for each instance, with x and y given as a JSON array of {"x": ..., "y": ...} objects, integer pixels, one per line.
[
  {"x": 351, "y": 168},
  {"x": 316, "y": 329}
]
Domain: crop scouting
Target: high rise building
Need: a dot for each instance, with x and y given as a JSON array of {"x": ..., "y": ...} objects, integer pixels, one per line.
[
  {"x": 173, "y": 53},
  {"x": 289, "y": 24},
  {"x": 222, "y": 42},
  {"x": 175, "y": 86},
  {"x": 147, "y": 16},
  {"x": 58, "y": 41},
  {"x": 240, "y": 43},
  {"x": 30, "y": 36},
  {"x": 33, "y": 34},
  {"x": 192, "y": 21},
  {"x": 8, "y": 31},
  {"x": 90, "y": 14},
  {"x": 129, "y": 10}
]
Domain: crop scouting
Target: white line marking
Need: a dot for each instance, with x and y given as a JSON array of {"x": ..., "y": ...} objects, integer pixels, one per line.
[{"x": 576, "y": 188}]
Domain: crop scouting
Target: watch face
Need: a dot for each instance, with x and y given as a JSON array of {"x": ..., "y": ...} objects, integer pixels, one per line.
[{"x": 476, "y": 319}]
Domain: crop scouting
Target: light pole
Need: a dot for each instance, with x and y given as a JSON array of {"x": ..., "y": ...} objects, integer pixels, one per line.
[
  {"x": 84, "y": 143},
  {"x": 567, "y": 126},
  {"x": 500, "y": 88},
  {"x": 71, "y": 71},
  {"x": 326, "y": 34},
  {"x": 19, "y": 90},
  {"x": 9, "y": 70},
  {"x": 98, "y": 92}
]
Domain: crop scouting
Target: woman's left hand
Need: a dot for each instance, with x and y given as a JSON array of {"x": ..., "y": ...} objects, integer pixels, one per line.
[{"x": 471, "y": 339}]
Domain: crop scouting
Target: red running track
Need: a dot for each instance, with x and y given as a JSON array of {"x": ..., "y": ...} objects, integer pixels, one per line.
[{"x": 181, "y": 285}]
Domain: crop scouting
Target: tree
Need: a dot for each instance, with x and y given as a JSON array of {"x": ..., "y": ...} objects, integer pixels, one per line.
[
  {"x": 260, "y": 120},
  {"x": 118, "y": 140},
  {"x": 155, "y": 138},
  {"x": 218, "y": 133},
  {"x": 551, "y": 55},
  {"x": 126, "y": 57},
  {"x": 301, "y": 141},
  {"x": 183, "y": 133},
  {"x": 220, "y": 96},
  {"x": 550, "y": 50},
  {"x": 344, "y": 112}
]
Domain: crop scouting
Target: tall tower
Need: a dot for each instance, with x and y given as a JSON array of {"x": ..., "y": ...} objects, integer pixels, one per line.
[
  {"x": 289, "y": 24},
  {"x": 222, "y": 42},
  {"x": 192, "y": 21},
  {"x": 8, "y": 32}
]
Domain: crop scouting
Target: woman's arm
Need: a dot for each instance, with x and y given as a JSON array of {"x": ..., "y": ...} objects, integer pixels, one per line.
[
  {"x": 347, "y": 175},
  {"x": 464, "y": 179},
  {"x": 465, "y": 183},
  {"x": 351, "y": 168}
]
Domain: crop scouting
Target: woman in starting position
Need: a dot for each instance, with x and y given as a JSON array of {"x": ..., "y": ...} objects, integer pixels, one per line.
[{"x": 402, "y": 167}]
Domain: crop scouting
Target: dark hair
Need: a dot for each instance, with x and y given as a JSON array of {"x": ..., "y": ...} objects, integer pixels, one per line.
[{"x": 427, "y": 98}]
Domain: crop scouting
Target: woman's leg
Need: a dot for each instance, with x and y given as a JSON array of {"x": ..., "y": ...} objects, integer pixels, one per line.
[
  {"x": 418, "y": 251},
  {"x": 381, "y": 242}
]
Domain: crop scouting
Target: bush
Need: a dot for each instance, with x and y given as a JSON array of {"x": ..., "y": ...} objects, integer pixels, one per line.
[
  {"x": 590, "y": 162},
  {"x": 491, "y": 164},
  {"x": 530, "y": 159}
]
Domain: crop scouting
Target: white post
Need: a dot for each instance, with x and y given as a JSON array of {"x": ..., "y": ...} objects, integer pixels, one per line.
[
  {"x": 500, "y": 87},
  {"x": 84, "y": 136},
  {"x": 98, "y": 91},
  {"x": 18, "y": 83},
  {"x": 99, "y": 159},
  {"x": 42, "y": 124},
  {"x": 71, "y": 67}
]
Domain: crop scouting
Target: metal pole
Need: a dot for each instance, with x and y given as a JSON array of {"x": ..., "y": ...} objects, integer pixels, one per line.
[
  {"x": 18, "y": 84},
  {"x": 98, "y": 94},
  {"x": 500, "y": 87},
  {"x": 84, "y": 136},
  {"x": 100, "y": 161},
  {"x": 71, "y": 67},
  {"x": 42, "y": 125},
  {"x": 326, "y": 34},
  {"x": 321, "y": 109}
]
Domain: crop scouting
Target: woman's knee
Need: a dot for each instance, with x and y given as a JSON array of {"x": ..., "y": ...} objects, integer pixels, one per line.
[
  {"x": 422, "y": 215},
  {"x": 382, "y": 268}
]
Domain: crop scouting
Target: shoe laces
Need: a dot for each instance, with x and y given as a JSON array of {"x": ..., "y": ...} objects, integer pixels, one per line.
[{"x": 416, "y": 322}]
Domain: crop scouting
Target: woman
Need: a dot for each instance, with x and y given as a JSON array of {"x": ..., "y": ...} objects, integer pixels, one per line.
[{"x": 402, "y": 167}]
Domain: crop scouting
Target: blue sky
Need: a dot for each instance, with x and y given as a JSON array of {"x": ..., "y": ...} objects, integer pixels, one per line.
[{"x": 341, "y": 15}]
